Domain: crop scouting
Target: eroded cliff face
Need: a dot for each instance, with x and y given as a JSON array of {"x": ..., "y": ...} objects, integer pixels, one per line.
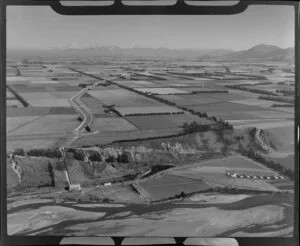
[
  {"x": 137, "y": 159},
  {"x": 30, "y": 172}
]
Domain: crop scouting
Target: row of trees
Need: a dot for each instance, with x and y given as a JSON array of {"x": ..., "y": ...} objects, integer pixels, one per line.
[
  {"x": 50, "y": 153},
  {"x": 95, "y": 156},
  {"x": 252, "y": 90},
  {"x": 277, "y": 99},
  {"x": 286, "y": 92},
  {"x": 164, "y": 113},
  {"x": 195, "y": 127},
  {"x": 282, "y": 105}
]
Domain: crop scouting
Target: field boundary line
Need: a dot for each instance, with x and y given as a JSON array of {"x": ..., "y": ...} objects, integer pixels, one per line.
[{"x": 39, "y": 117}]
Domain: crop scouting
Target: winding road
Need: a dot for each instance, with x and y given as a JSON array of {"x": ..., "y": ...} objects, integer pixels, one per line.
[{"x": 79, "y": 106}]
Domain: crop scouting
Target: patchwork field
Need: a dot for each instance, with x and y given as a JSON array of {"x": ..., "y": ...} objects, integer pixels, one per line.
[
  {"x": 122, "y": 98},
  {"x": 171, "y": 185},
  {"x": 14, "y": 103},
  {"x": 185, "y": 100},
  {"x": 226, "y": 109},
  {"x": 13, "y": 123},
  {"x": 48, "y": 124},
  {"x": 135, "y": 83},
  {"x": 213, "y": 172},
  {"x": 34, "y": 143},
  {"x": 147, "y": 110},
  {"x": 94, "y": 105},
  {"x": 268, "y": 114},
  {"x": 64, "y": 94},
  {"x": 256, "y": 102},
  {"x": 112, "y": 124},
  {"x": 43, "y": 82},
  {"x": 44, "y": 99},
  {"x": 161, "y": 91},
  {"x": 204, "y": 90},
  {"x": 9, "y": 95},
  {"x": 164, "y": 121}
]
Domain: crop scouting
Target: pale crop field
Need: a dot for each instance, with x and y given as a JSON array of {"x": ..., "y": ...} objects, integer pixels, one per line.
[
  {"x": 256, "y": 102},
  {"x": 112, "y": 124},
  {"x": 270, "y": 114},
  {"x": 15, "y": 122},
  {"x": 148, "y": 122},
  {"x": 43, "y": 82},
  {"x": 13, "y": 103},
  {"x": 50, "y": 103},
  {"x": 190, "y": 99},
  {"x": 147, "y": 110},
  {"x": 45, "y": 99},
  {"x": 170, "y": 185},
  {"x": 161, "y": 91},
  {"x": 48, "y": 124},
  {"x": 120, "y": 97}
]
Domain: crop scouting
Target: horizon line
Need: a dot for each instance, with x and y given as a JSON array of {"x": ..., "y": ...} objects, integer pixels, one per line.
[{"x": 136, "y": 47}]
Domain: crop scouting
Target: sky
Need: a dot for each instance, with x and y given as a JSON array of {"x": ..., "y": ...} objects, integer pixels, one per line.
[{"x": 38, "y": 27}]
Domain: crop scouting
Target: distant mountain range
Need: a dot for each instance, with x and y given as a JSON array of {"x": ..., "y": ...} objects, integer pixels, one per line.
[
  {"x": 261, "y": 52},
  {"x": 258, "y": 52},
  {"x": 149, "y": 52}
]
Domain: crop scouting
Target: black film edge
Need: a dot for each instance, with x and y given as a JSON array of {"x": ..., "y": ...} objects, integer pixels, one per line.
[{"x": 180, "y": 8}]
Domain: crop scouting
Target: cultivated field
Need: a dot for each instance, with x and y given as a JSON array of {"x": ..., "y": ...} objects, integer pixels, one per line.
[
  {"x": 165, "y": 121},
  {"x": 122, "y": 98},
  {"x": 48, "y": 124},
  {"x": 148, "y": 110},
  {"x": 170, "y": 185},
  {"x": 161, "y": 91},
  {"x": 112, "y": 124}
]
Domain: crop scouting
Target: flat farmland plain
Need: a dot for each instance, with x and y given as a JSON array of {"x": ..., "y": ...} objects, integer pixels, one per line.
[
  {"x": 38, "y": 111},
  {"x": 148, "y": 122},
  {"x": 30, "y": 111},
  {"x": 270, "y": 114},
  {"x": 9, "y": 95},
  {"x": 185, "y": 100},
  {"x": 161, "y": 91},
  {"x": 123, "y": 98},
  {"x": 256, "y": 102},
  {"x": 28, "y": 144},
  {"x": 64, "y": 94},
  {"x": 94, "y": 105},
  {"x": 169, "y": 185},
  {"x": 202, "y": 89},
  {"x": 147, "y": 110},
  {"x": 13, "y": 123},
  {"x": 14, "y": 103},
  {"x": 227, "y": 110},
  {"x": 24, "y": 88},
  {"x": 136, "y": 83},
  {"x": 213, "y": 172},
  {"x": 112, "y": 124},
  {"x": 48, "y": 124},
  {"x": 236, "y": 161},
  {"x": 45, "y": 99},
  {"x": 43, "y": 82},
  {"x": 109, "y": 137}
]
